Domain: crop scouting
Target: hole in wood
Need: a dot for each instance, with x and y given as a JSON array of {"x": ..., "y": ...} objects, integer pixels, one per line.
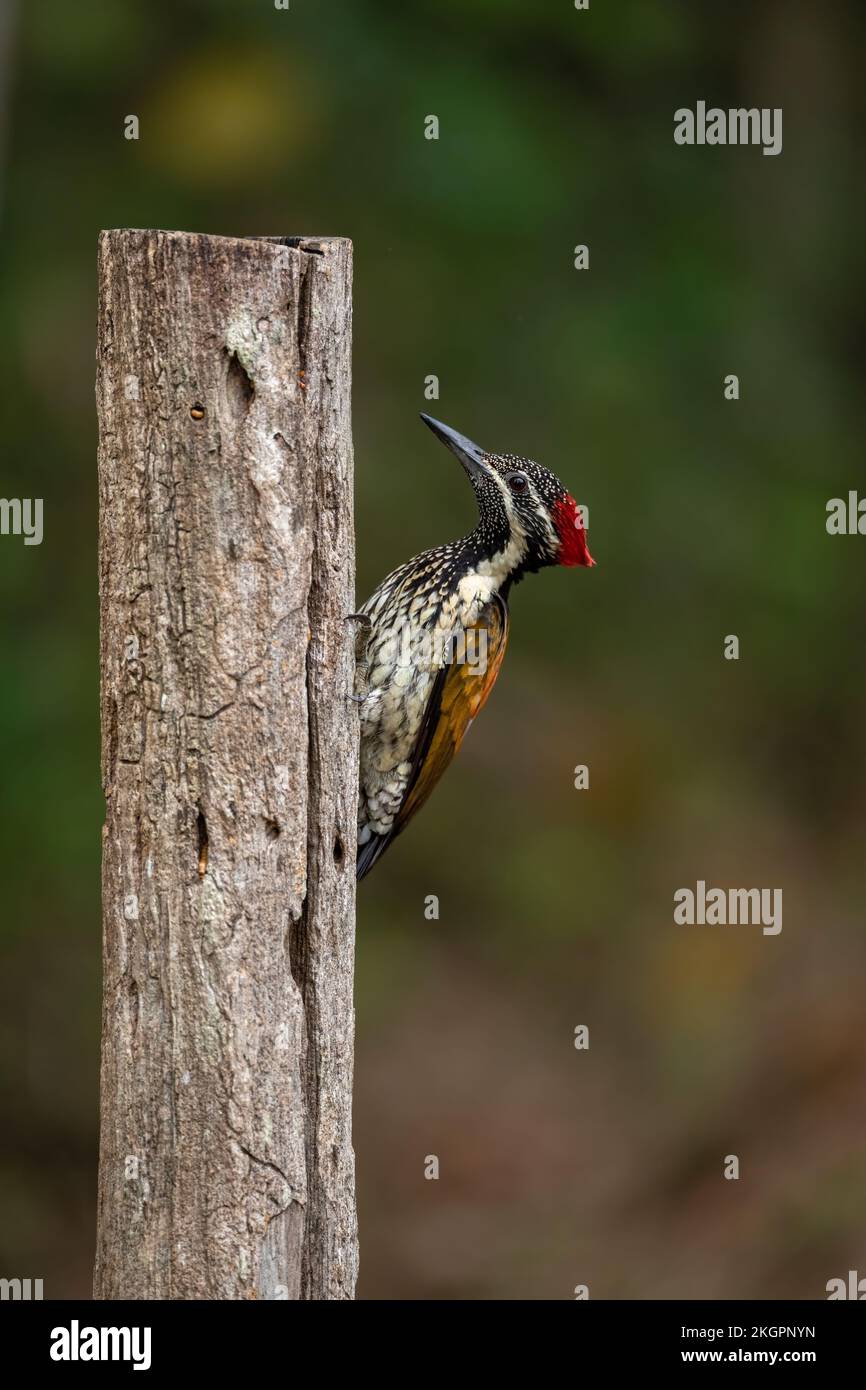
[
  {"x": 240, "y": 390},
  {"x": 203, "y": 843}
]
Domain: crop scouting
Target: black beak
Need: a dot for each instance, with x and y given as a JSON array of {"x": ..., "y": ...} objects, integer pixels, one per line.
[{"x": 473, "y": 458}]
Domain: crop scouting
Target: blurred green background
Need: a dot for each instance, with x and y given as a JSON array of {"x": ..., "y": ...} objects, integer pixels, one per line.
[{"x": 558, "y": 1167}]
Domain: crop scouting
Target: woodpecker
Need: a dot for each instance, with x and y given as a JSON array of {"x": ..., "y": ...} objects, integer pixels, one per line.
[{"x": 432, "y": 636}]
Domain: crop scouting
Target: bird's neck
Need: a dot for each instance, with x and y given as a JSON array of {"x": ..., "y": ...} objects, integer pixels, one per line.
[{"x": 497, "y": 558}]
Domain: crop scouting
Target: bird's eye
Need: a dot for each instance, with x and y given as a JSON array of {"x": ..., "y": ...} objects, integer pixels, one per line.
[{"x": 517, "y": 482}]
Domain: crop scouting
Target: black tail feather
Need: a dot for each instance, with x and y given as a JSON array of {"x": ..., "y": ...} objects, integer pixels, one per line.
[{"x": 368, "y": 853}]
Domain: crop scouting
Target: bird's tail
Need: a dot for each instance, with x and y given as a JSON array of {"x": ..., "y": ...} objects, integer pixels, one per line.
[{"x": 369, "y": 852}]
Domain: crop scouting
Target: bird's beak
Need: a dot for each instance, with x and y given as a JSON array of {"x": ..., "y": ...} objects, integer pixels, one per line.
[{"x": 473, "y": 458}]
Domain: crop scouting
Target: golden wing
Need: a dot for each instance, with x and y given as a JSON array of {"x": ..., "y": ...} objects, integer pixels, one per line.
[{"x": 460, "y": 690}]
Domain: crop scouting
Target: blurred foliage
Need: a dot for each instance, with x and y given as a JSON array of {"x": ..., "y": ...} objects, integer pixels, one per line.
[{"x": 707, "y": 517}]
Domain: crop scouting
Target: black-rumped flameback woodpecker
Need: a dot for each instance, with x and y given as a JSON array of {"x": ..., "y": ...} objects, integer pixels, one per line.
[{"x": 432, "y": 637}]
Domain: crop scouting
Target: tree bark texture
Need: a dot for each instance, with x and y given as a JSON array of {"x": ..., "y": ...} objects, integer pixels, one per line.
[{"x": 229, "y": 764}]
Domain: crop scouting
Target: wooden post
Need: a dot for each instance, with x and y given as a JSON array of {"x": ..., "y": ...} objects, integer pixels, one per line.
[{"x": 229, "y": 763}]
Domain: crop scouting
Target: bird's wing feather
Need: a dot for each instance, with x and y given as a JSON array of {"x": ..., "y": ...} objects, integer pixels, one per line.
[{"x": 459, "y": 693}]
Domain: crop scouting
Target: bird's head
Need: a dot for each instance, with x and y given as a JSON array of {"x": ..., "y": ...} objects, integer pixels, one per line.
[{"x": 527, "y": 517}]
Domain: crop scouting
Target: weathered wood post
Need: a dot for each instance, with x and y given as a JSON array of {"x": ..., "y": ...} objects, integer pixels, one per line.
[{"x": 229, "y": 762}]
